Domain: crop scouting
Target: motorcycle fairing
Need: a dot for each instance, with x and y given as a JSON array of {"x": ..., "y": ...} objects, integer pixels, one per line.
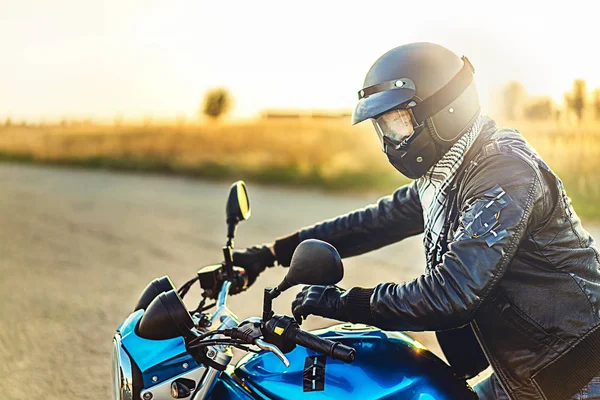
[{"x": 162, "y": 359}]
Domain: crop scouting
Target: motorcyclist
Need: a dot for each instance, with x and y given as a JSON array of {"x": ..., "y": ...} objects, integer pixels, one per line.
[{"x": 512, "y": 279}]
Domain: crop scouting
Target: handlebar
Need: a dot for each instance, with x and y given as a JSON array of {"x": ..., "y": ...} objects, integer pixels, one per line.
[
  {"x": 288, "y": 333},
  {"x": 335, "y": 350},
  {"x": 284, "y": 332},
  {"x": 212, "y": 279}
]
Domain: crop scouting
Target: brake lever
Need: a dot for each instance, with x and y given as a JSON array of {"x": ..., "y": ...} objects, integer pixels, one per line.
[{"x": 273, "y": 349}]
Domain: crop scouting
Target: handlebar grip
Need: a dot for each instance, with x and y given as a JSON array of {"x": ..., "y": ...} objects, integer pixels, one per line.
[{"x": 335, "y": 350}]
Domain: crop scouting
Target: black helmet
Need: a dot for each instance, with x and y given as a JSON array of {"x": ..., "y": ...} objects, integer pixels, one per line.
[{"x": 436, "y": 87}]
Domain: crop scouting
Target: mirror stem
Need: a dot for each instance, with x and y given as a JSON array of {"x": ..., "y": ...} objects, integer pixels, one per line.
[
  {"x": 284, "y": 285},
  {"x": 228, "y": 261},
  {"x": 270, "y": 294},
  {"x": 231, "y": 226}
]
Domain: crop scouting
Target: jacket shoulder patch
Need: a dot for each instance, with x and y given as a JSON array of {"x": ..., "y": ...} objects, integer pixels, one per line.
[{"x": 482, "y": 218}]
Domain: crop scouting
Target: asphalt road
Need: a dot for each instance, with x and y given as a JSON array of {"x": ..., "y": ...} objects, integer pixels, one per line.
[{"x": 77, "y": 247}]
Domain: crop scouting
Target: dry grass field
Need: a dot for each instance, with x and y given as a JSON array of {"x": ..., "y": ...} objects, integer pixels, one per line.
[{"x": 326, "y": 153}]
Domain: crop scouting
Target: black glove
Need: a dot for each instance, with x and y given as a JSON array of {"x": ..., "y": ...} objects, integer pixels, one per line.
[
  {"x": 326, "y": 301},
  {"x": 254, "y": 260}
]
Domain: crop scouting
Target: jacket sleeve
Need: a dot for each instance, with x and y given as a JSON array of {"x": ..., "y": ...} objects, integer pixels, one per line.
[
  {"x": 391, "y": 219},
  {"x": 495, "y": 213}
]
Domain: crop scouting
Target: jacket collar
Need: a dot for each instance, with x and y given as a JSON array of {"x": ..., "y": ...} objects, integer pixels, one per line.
[{"x": 489, "y": 127}]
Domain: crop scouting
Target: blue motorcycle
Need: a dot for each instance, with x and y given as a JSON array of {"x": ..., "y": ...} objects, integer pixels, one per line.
[{"x": 163, "y": 351}]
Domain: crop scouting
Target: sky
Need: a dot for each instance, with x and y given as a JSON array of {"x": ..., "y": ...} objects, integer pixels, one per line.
[{"x": 136, "y": 59}]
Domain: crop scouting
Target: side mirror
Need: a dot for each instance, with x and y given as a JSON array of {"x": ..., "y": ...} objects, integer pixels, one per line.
[
  {"x": 314, "y": 263},
  {"x": 238, "y": 207}
]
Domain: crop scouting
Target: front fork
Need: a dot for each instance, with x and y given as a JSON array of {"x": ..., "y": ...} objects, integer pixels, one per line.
[
  {"x": 209, "y": 380},
  {"x": 218, "y": 354}
]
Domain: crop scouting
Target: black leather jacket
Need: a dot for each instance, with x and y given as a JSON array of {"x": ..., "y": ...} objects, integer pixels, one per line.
[{"x": 519, "y": 275}]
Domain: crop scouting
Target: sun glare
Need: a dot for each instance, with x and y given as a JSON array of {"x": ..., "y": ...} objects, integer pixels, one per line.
[{"x": 98, "y": 60}]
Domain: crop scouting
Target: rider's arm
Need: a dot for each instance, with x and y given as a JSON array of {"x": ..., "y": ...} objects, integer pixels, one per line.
[
  {"x": 450, "y": 293},
  {"x": 391, "y": 219}
]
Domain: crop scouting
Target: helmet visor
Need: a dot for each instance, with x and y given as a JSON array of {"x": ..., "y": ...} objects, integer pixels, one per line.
[
  {"x": 380, "y": 102},
  {"x": 396, "y": 125}
]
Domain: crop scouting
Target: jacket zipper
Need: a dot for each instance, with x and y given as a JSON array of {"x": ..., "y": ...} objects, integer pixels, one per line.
[{"x": 490, "y": 359}]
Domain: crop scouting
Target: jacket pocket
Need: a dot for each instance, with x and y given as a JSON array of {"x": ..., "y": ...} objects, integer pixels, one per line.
[
  {"x": 523, "y": 323},
  {"x": 516, "y": 343}
]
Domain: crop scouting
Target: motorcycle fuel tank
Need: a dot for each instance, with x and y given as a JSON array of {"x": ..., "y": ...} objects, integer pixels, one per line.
[{"x": 388, "y": 365}]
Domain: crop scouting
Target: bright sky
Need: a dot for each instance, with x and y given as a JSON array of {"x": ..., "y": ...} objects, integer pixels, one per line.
[{"x": 99, "y": 59}]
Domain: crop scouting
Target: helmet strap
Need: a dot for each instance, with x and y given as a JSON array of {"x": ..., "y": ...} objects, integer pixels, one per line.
[{"x": 446, "y": 95}]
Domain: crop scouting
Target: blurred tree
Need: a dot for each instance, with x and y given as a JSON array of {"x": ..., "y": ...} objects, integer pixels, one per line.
[
  {"x": 513, "y": 97},
  {"x": 575, "y": 100},
  {"x": 539, "y": 108},
  {"x": 7, "y": 122},
  {"x": 217, "y": 102},
  {"x": 597, "y": 104}
]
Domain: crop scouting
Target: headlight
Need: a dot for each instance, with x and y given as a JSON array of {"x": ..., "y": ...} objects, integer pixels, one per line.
[
  {"x": 165, "y": 318},
  {"x": 122, "y": 375}
]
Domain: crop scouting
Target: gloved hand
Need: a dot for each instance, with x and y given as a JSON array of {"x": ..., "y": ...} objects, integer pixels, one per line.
[
  {"x": 254, "y": 260},
  {"x": 326, "y": 301}
]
